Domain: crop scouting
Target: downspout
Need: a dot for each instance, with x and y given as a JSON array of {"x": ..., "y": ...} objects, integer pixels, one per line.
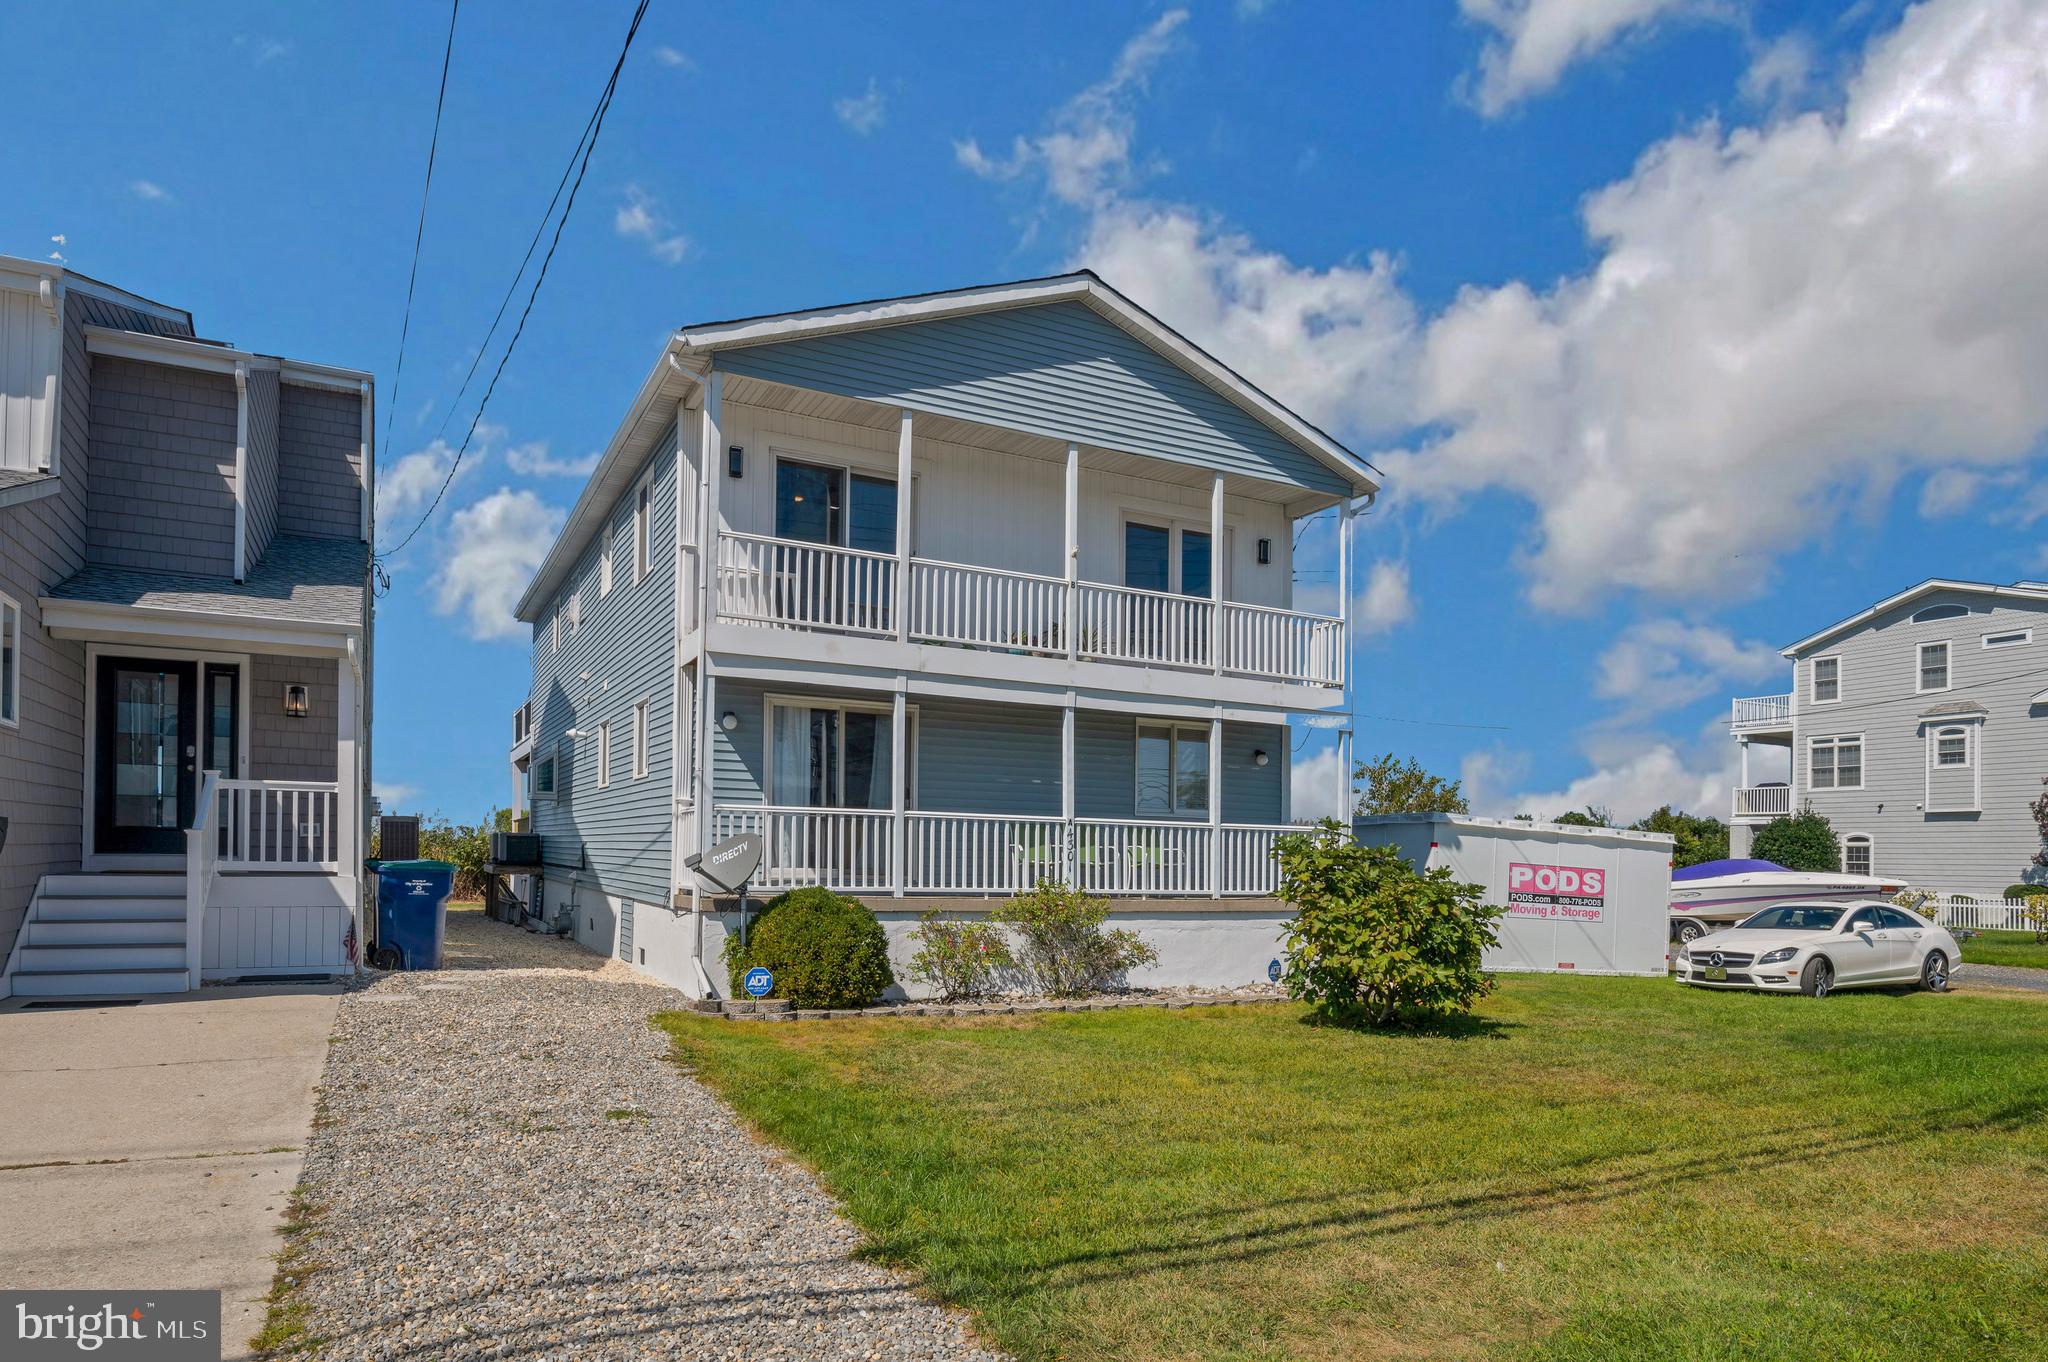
[
  {"x": 241, "y": 471},
  {"x": 362, "y": 826}
]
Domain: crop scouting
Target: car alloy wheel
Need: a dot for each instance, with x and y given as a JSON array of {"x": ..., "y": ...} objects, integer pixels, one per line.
[
  {"x": 1934, "y": 974},
  {"x": 1689, "y": 932},
  {"x": 1819, "y": 978}
]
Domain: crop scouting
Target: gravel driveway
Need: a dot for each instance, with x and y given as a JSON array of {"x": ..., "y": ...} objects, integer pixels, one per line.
[
  {"x": 508, "y": 1166},
  {"x": 2002, "y": 976}
]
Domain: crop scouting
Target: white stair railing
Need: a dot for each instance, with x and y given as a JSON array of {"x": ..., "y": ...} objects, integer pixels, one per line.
[
  {"x": 279, "y": 825},
  {"x": 202, "y": 865}
]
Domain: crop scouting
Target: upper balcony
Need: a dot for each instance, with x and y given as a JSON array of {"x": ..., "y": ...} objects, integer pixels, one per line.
[
  {"x": 789, "y": 584},
  {"x": 1761, "y": 714}
]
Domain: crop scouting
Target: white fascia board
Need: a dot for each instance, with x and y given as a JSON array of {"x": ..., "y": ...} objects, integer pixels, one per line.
[
  {"x": 1083, "y": 287},
  {"x": 184, "y": 354},
  {"x": 17, "y": 272},
  {"x": 102, "y": 620},
  {"x": 1912, "y": 593},
  {"x": 307, "y": 375},
  {"x": 22, "y": 493},
  {"x": 621, "y": 455}
]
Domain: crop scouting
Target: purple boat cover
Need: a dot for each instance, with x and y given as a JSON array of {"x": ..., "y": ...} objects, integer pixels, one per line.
[{"x": 1707, "y": 870}]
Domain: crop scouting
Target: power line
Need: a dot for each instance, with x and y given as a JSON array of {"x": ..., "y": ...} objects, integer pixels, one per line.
[
  {"x": 420, "y": 232},
  {"x": 588, "y": 147},
  {"x": 1824, "y": 711}
]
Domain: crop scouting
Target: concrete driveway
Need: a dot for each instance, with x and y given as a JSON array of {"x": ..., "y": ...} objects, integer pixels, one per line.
[{"x": 154, "y": 1146}]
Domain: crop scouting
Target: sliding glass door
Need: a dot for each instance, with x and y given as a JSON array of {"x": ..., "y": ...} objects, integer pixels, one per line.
[{"x": 819, "y": 504}]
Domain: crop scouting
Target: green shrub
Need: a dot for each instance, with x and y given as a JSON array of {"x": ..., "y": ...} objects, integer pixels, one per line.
[
  {"x": 958, "y": 959},
  {"x": 1799, "y": 841},
  {"x": 1372, "y": 941},
  {"x": 2026, "y": 891},
  {"x": 824, "y": 950},
  {"x": 1062, "y": 944}
]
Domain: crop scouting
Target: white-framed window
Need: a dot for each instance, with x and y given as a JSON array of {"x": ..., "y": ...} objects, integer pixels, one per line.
[
  {"x": 1932, "y": 672},
  {"x": 604, "y": 755},
  {"x": 10, "y": 662},
  {"x": 547, "y": 772},
  {"x": 1824, "y": 680},
  {"x": 575, "y": 612},
  {"x": 640, "y": 740},
  {"x": 1952, "y": 747},
  {"x": 836, "y": 754},
  {"x": 604, "y": 563},
  {"x": 2010, "y": 638},
  {"x": 1858, "y": 854},
  {"x": 1932, "y": 613},
  {"x": 1835, "y": 763},
  {"x": 643, "y": 529},
  {"x": 1173, "y": 770}
]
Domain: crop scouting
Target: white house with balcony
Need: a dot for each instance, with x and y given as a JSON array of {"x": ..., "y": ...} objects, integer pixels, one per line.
[
  {"x": 185, "y": 632},
  {"x": 1919, "y": 727},
  {"x": 941, "y": 595}
]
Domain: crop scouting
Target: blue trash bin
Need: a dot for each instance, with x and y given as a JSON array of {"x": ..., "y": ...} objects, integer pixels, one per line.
[{"x": 412, "y": 918}]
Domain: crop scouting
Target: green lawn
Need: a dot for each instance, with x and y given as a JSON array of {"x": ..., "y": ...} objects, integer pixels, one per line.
[
  {"x": 1599, "y": 1168},
  {"x": 2006, "y": 948}
]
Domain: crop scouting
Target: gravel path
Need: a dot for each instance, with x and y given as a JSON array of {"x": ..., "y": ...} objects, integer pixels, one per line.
[
  {"x": 509, "y": 1167},
  {"x": 2003, "y": 976}
]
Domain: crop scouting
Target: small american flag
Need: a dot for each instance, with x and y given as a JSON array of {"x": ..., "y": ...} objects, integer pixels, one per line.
[{"x": 348, "y": 941}]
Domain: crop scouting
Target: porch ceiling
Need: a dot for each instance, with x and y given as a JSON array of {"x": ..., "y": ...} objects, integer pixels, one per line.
[{"x": 823, "y": 406}]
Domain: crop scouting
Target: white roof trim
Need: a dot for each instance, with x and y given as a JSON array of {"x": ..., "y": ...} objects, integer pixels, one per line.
[
  {"x": 17, "y": 272},
  {"x": 1913, "y": 593},
  {"x": 99, "y": 619},
  {"x": 218, "y": 359},
  {"x": 1083, "y": 287}
]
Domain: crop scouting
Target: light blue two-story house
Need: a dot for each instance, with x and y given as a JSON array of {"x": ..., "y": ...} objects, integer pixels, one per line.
[{"x": 942, "y": 595}]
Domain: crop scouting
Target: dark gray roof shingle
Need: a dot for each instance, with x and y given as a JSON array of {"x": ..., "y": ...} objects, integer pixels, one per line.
[{"x": 301, "y": 579}]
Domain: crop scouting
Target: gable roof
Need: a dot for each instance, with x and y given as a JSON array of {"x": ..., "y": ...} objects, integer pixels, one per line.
[
  {"x": 2029, "y": 591},
  {"x": 694, "y": 349}
]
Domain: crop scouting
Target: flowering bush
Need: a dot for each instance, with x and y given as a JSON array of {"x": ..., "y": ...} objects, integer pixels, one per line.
[
  {"x": 958, "y": 959},
  {"x": 1062, "y": 941}
]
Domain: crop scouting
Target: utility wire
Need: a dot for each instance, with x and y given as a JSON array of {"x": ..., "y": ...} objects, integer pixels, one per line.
[
  {"x": 420, "y": 232},
  {"x": 588, "y": 147}
]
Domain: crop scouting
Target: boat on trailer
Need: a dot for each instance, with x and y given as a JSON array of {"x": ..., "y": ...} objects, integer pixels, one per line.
[{"x": 1712, "y": 894}]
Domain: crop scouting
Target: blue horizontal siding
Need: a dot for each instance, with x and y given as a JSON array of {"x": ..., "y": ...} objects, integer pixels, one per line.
[
  {"x": 1055, "y": 369},
  {"x": 627, "y": 645}
]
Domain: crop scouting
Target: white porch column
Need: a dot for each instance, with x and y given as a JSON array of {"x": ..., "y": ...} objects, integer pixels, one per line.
[
  {"x": 707, "y": 718},
  {"x": 899, "y": 748},
  {"x": 1069, "y": 864},
  {"x": 904, "y": 511},
  {"x": 1216, "y": 798},
  {"x": 710, "y": 450},
  {"x": 1073, "y": 562},
  {"x": 1742, "y": 745},
  {"x": 350, "y": 846},
  {"x": 1344, "y": 520},
  {"x": 1216, "y": 579}
]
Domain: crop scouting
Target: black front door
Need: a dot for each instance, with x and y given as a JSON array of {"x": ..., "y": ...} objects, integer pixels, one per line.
[{"x": 146, "y": 756}]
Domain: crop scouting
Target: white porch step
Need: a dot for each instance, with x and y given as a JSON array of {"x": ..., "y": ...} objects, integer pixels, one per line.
[
  {"x": 142, "y": 931},
  {"x": 108, "y": 885},
  {"x": 80, "y": 908},
  {"x": 92, "y": 983},
  {"x": 103, "y": 956}
]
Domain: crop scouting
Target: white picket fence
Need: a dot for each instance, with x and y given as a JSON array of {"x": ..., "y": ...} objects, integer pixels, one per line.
[{"x": 1978, "y": 914}]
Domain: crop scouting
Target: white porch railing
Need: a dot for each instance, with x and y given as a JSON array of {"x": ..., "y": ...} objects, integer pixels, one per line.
[
  {"x": 987, "y": 607},
  {"x": 1124, "y": 624},
  {"x": 1755, "y": 710},
  {"x": 1762, "y": 801},
  {"x": 811, "y": 586},
  {"x": 279, "y": 825},
  {"x": 978, "y": 853},
  {"x": 1259, "y": 640}
]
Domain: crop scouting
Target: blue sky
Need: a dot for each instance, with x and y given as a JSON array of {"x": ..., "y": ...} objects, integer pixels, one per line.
[{"x": 1682, "y": 328}]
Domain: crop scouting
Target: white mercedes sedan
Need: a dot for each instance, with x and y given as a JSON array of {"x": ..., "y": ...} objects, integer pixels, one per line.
[{"x": 1819, "y": 947}]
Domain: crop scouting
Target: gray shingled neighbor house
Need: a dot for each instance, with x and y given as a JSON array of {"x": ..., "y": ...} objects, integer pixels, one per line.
[{"x": 185, "y": 634}]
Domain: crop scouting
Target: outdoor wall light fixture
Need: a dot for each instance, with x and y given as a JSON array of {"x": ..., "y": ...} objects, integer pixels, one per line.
[
  {"x": 1265, "y": 552},
  {"x": 1259, "y": 758},
  {"x": 728, "y": 721},
  {"x": 736, "y": 462},
  {"x": 296, "y": 703}
]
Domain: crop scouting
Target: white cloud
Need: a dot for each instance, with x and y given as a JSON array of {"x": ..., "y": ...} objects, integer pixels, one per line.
[
  {"x": 534, "y": 461},
  {"x": 1252, "y": 9},
  {"x": 1533, "y": 41},
  {"x": 408, "y": 486},
  {"x": 149, "y": 191},
  {"x": 640, "y": 217},
  {"x": 675, "y": 58},
  {"x": 864, "y": 113},
  {"x": 1780, "y": 72},
  {"x": 1086, "y": 155},
  {"x": 392, "y": 794},
  {"x": 1665, "y": 664},
  {"x": 1385, "y": 602},
  {"x": 1312, "y": 786},
  {"x": 494, "y": 546},
  {"x": 1780, "y": 318},
  {"x": 262, "y": 50},
  {"x": 1634, "y": 778},
  {"x": 1951, "y": 491}
]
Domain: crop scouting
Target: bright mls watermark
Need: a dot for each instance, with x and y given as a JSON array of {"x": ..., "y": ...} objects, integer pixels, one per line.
[{"x": 165, "y": 1326}]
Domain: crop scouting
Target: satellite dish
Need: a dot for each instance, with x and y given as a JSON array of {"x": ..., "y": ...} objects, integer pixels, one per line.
[{"x": 728, "y": 866}]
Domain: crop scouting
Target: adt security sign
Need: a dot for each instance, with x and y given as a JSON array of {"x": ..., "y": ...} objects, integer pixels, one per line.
[
  {"x": 758, "y": 981},
  {"x": 1273, "y": 971}
]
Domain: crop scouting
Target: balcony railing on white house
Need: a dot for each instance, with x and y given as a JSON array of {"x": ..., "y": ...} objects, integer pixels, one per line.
[
  {"x": 973, "y": 853},
  {"x": 1762, "y": 801},
  {"x": 1762, "y": 711},
  {"x": 279, "y": 825},
  {"x": 783, "y": 583}
]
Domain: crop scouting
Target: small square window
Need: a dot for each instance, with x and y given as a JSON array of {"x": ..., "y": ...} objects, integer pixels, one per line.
[{"x": 1952, "y": 747}]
